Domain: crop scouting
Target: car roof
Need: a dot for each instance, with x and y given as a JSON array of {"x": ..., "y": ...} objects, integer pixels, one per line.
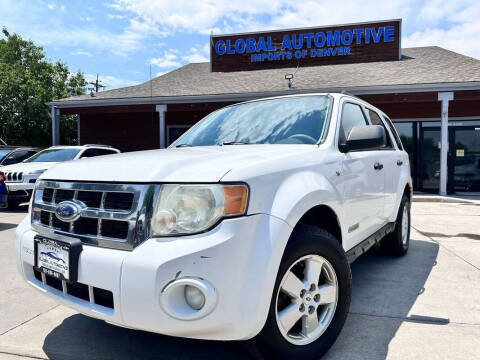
[{"x": 80, "y": 147}]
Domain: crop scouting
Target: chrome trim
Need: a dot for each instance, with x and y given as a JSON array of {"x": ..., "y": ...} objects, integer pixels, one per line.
[
  {"x": 13, "y": 176},
  {"x": 138, "y": 217}
]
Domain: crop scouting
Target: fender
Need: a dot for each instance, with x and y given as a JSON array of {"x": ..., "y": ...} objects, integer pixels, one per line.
[
  {"x": 301, "y": 192},
  {"x": 405, "y": 179}
]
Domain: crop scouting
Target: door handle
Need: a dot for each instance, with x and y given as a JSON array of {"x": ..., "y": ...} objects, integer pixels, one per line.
[
  {"x": 378, "y": 166},
  {"x": 399, "y": 162}
]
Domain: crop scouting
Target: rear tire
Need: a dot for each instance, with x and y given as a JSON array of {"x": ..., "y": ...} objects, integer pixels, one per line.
[
  {"x": 397, "y": 242},
  {"x": 310, "y": 300}
]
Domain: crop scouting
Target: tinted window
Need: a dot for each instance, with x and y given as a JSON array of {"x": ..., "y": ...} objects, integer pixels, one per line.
[
  {"x": 54, "y": 155},
  {"x": 89, "y": 153},
  {"x": 15, "y": 157},
  {"x": 375, "y": 120},
  {"x": 352, "y": 115},
  {"x": 174, "y": 132},
  {"x": 106, "y": 152},
  {"x": 294, "y": 120},
  {"x": 97, "y": 152}
]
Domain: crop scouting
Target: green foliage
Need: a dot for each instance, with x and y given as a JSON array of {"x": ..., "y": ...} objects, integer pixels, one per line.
[{"x": 27, "y": 81}]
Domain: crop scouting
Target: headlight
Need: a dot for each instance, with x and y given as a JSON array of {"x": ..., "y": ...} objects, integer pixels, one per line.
[{"x": 188, "y": 209}]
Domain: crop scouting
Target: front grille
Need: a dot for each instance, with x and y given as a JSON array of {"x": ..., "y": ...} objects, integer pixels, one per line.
[
  {"x": 13, "y": 176},
  {"x": 111, "y": 215},
  {"x": 100, "y": 297}
]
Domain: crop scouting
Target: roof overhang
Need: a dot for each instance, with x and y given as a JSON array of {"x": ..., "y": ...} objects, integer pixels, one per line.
[{"x": 358, "y": 90}]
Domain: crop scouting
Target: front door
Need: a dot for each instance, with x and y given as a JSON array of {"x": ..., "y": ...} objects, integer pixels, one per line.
[{"x": 363, "y": 180}]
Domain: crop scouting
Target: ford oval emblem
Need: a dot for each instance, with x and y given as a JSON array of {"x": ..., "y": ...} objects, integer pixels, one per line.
[{"x": 69, "y": 210}]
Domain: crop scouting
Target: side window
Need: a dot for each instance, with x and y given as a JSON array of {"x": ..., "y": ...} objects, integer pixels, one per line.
[
  {"x": 352, "y": 115},
  {"x": 394, "y": 132},
  {"x": 376, "y": 120},
  {"x": 16, "y": 157},
  {"x": 105, "y": 152},
  {"x": 89, "y": 153}
]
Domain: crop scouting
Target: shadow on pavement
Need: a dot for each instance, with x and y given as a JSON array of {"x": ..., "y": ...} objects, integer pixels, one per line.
[
  {"x": 23, "y": 208},
  {"x": 7, "y": 226},
  {"x": 384, "y": 291},
  {"x": 81, "y": 337}
]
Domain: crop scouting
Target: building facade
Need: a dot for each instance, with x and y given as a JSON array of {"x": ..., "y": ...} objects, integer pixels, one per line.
[{"x": 431, "y": 94}]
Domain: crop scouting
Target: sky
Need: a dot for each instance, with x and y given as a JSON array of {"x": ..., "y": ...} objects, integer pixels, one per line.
[{"x": 122, "y": 39}]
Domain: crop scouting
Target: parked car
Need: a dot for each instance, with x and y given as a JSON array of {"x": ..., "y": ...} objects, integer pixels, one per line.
[
  {"x": 15, "y": 155},
  {"x": 21, "y": 178},
  {"x": 243, "y": 228},
  {"x": 3, "y": 191}
]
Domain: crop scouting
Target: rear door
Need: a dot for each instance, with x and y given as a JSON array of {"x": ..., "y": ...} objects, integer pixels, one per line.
[
  {"x": 391, "y": 161},
  {"x": 364, "y": 181}
]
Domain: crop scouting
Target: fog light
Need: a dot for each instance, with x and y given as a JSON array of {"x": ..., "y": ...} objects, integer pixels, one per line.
[{"x": 194, "y": 297}]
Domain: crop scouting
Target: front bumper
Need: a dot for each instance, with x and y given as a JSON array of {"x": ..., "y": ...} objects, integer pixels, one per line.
[
  {"x": 239, "y": 258},
  {"x": 12, "y": 186}
]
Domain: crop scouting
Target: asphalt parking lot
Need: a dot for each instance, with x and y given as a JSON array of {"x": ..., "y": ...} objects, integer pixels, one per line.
[{"x": 423, "y": 306}]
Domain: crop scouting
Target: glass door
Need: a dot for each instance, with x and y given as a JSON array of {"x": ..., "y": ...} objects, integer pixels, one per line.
[
  {"x": 465, "y": 155},
  {"x": 429, "y": 149}
]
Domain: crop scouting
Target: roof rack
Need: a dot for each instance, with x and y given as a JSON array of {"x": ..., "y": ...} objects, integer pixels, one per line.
[{"x": 99, "y": 145}]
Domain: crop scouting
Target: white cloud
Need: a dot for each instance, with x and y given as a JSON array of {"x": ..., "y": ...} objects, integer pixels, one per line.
[
  {"x": 55, "y": 7},
  {"x": 197, "y": 56},
  {"x": 111, "y": 82},
  {"x": 461, "y": 34},
  {"x": 81, "y": 52},
  {"x": 168, "y": 60}
]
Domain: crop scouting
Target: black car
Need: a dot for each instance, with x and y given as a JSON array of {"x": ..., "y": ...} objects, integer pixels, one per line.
[{"x": 15, "y": 154}]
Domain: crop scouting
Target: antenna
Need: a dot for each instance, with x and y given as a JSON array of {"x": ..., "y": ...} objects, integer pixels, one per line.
[{"x": 151, "y": 85}]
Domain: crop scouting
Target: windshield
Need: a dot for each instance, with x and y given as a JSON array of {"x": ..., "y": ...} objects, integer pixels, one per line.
[
  {"x": 54, "y": 155},
  {"x": 3, "y": 153},
  {"x": 293, "y": 120}
]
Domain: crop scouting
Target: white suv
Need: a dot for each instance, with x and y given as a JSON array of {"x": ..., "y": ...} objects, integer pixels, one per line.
[
  {"x": 243, "y": 229},
  {"x": 21, "y": 177}
]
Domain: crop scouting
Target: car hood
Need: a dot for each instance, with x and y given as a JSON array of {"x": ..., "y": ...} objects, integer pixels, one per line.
[
  {"x": 194, "y": 164},
  {"x": 27, "y": 167}
]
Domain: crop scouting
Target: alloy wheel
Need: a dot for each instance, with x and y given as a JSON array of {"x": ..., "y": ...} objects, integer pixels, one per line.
[{"x": 306, "y": 299}]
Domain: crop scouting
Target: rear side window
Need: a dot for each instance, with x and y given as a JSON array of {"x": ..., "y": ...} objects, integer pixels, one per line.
[
  {"x": 97, "y": 152},
  {"x": 352, "y": 115},
  {"x": 376, "y": 120},
  {"x": 106, "y": 152}
]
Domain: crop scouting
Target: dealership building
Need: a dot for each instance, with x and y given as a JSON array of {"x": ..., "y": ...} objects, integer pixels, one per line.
[{"x": 431, "y": 94}]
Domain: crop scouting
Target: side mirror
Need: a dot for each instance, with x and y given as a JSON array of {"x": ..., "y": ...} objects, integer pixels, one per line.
[{"x": 365, "y": 137}]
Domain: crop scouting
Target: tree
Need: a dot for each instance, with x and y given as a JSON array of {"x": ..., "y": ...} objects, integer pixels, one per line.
[{"x": 27, "y": 81}]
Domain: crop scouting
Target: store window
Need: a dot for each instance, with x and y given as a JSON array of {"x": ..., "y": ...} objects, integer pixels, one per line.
[
  {"x": 174, "y": 132},
  {"x": 375, "y": 120}
]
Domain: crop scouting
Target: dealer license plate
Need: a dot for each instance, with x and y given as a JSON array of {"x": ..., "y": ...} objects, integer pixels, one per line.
[{"x": 53, "y": 257}]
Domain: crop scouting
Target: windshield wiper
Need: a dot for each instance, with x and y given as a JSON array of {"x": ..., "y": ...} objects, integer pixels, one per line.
[
  {"x": 184, "y": 145},
  {"x": 237, "y": 143}
]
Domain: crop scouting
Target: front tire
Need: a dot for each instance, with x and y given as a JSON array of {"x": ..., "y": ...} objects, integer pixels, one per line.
[{"x": 311, "y": 298}]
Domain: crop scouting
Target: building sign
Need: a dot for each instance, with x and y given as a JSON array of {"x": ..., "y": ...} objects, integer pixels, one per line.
[{"x": 353, "y": 43}]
